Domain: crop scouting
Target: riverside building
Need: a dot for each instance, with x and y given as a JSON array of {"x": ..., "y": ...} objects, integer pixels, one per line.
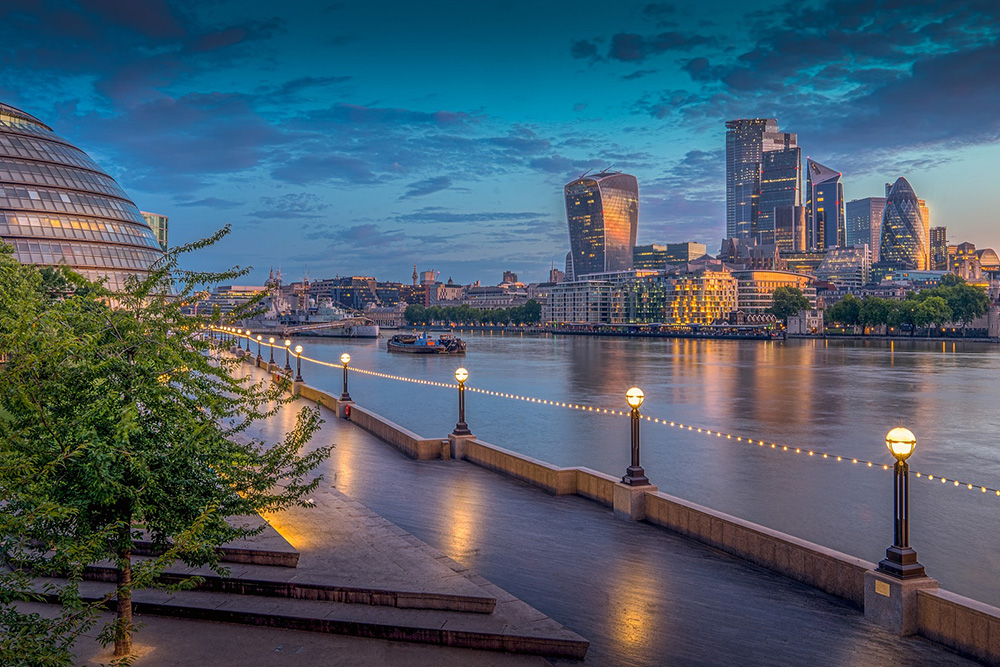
[
  {"x": 602, "y": 211},
  {"x": 58, "y": 207}
]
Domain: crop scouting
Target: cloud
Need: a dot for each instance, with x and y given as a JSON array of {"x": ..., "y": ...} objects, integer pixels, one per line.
[
  {"x": 211, "y": 202},
  {"x": 638, "y": 74},
  {"x": 290, "y": 206},
  {"x": 583, "y": 49},
  {"x": 426, "y": 186},
  {"x": 630, "y": 47}
]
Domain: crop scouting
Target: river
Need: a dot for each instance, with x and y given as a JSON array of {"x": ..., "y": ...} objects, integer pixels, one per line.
[{"x": 838, "y": 397}]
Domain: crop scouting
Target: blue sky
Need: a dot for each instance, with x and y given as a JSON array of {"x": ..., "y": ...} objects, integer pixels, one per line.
[{"x": 362, "y": 138}]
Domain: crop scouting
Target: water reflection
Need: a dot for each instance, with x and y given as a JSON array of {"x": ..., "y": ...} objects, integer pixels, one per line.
[{"x": 635, "y": 622}]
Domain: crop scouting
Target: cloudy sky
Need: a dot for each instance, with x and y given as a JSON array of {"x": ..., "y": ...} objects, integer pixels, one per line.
[{"x": 365, "y": 137}]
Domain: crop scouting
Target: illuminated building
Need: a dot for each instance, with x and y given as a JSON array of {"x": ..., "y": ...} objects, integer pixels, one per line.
[
  {"x": 780, "y": 186},
  {"x": 229, "y": 297},
  {"x": 790, "y": 228},
  {"x": 755, "y": 289},
  {"x": 58, "y": 207},
  {"x": 905, "y": 242},
  {"x": 939, "y": 248},
  {"x": 803, "y": 262},
  {"x": 846, "y": 267},
  {"x": 747, "y": 139},
  {"x": 698, "y": 297},
  {"x": 584, "y": 301},
  {"x": 158, "y": 223},
  {"x": 864, "y": 223},
  {"x": 603, "y": 214},
  {"x": 654, "y": 257},
  {"x": 824, "y": 207}
]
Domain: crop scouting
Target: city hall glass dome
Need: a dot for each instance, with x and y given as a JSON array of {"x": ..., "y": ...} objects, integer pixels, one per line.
[{"x": 58, "y": 207}]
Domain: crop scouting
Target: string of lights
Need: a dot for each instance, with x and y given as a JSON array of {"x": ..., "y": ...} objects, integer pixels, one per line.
[{"x": 693, "y": 429}]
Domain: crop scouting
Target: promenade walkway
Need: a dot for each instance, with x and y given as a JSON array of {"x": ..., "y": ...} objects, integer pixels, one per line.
[{"x": 640, "y": 594}]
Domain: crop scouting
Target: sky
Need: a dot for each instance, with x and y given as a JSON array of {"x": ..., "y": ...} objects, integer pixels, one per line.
[{"x": 361, "y": 138}]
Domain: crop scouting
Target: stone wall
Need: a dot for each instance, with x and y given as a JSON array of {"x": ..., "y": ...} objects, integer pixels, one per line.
[{"x": 962, "y": 624}]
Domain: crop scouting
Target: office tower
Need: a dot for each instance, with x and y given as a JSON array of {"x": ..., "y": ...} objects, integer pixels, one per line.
[
  {"x": 58, "y": 207},
  {"x": 864, "y": 223},
  {"x": 603, "y": 214},
  {"x": 939, "y": 248},
  {"x": 846, "y": 267},
  {"x": 904, "y": 235},
  {"x": 824, "y": 206},
  {"x": 790, "y": 228},
  {"x": 682, "y": 253},
  {"x": 651, "y": 257},
  {"x": 746, "y": 142},
  {"x": 780, "y": 185},
  {"x": 158, "y": 223}
]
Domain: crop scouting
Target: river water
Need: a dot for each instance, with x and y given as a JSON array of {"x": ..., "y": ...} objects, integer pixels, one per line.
[{"x": 837, "y": 397}]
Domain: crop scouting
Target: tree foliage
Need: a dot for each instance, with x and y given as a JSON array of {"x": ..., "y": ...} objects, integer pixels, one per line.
[
  {"x": 529, "y": 313},
  {"x": 788, "y": 301},
  {"x": 119, "y": 421}
]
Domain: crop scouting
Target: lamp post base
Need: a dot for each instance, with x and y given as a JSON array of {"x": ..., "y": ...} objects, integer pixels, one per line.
[
  {"x": 461, "y": 428},
  {"x": 901, "y": 562},
  {"x": 635, "y": 476},
  {"x": 345, "y": 398}
]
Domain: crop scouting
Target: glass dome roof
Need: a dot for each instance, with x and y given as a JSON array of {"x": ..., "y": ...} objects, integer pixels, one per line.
[{"x": 58, "y": 207}]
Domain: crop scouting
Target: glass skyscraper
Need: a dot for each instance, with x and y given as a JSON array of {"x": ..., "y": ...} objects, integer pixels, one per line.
[
  {"x": 905, "y": 241},
  {"x": 939, "y": 248},
  {"x": 824, "y": 207},
  {"x": 158, "y": 223},
  {"x": 864, "y": 223},
  {"x": 780, "y": 185},
  {"x": 58, "y": 207},
  {"x": 603, "y": 214},
  {"x": 747, "y": 139}
]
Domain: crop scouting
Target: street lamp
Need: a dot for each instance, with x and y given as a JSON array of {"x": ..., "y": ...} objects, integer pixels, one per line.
[
  {"x": 345, "y": 359},
  {"x": 298, "y": 363},
  {"x": 288, "y": 366},
  {"x": 259, "y": 339},
  {"x": 248, "y": 340},
  {"x": 900, "y": 560},
  {"x": 270, "y": 343},
  {"x": 634, "y": 474},
  {"x": 461, "y": 428}
]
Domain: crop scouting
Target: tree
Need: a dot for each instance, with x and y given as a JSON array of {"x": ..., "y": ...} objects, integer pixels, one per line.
[
  {"x": 967, "y": 302},
  {"x": 532, "y": 312},
  {"x": 933, "y": 310},
  {"x": 415, "y": 313},
  {"x": 847, "y": 311},
  {"x": 116, "y": 421},
  {"x": 788, "y": 301},
  {"x": 875, "y": 311}
]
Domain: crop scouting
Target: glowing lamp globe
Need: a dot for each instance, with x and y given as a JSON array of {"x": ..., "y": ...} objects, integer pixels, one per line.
[
  {"x": 461, "y": 375},
  {"x": 298, "y": 349},
  {"x": 271, "y": 340},
  {"x": 634, "y": 397},
  {"x": 258, "y": 338},
  {"x": 287, "y": 342},
  {"x": 248, "y": 333},
  {"x": 345, "y": 358},
  {"x": 901, "y": 442}
]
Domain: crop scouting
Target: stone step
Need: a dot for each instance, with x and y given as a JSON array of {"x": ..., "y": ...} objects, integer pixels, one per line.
[
  {"x": 515, "y": 627},
  {"x": 266, "y": 548}
]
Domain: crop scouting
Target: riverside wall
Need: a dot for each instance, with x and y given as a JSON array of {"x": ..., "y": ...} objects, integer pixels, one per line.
[{"x": 967, "y": 626}]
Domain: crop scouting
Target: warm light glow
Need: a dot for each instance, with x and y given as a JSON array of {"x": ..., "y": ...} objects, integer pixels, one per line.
[
  {"x": 287, "y": 342},
  {"x": 901, "y": 443},
  {"x": 634, "y": 397},
  {"x": 271, "y": 340},
  {"x": 298, "y": 349},
  {"x": 259, "y": 338},
  {"x": 345, "y": 358},
  {"x": 461, "y": 375}
]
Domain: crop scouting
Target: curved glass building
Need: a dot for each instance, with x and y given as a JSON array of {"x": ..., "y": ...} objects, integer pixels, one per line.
[
  {"x": 58, "y": 207},
  {"x": 905, "y": 241},
  {"x": 603, "y": 214}
]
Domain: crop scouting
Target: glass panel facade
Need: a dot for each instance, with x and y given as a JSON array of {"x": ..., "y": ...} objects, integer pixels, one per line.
[
  {"x": 58, "y": 207},
  {"x": 603, "y": 214},
  {"x": 904, "y": 234},
  {"x": 780, "y": 185},
  {"x": 747, "y": 139},
  {"x": 824, "y": 207}
]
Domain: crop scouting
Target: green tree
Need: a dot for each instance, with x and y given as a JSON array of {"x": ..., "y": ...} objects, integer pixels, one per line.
[
  {"x": 117, "y": 420},
  {"x": 788, "y": 301},
  {"x": 933, "y": 310},
  {"x": 967, "y": 302},
  {"x": 415, "y": 313},
  {"x": 847, "y": 311},
  {"x": 875, "y": 311},
  {"x": 532, "y": 312}
]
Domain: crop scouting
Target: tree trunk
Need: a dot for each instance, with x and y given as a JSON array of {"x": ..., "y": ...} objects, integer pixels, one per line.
[{"x": 123, "y": 638}]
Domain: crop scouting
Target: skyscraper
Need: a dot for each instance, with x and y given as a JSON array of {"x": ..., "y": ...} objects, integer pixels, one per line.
[
  {"x": 790, "y": 228},
  {"x": 57, "y": 206},
  {"x": 824, "y": 207},
  {"x": 603, "y": 214},
  {"x": 864, "y": 223},
  {"x": 746, "y": 142},
  {"x": 158, "y": 223},
  {"x": 905, "y": 240},
  {"x": 780, "y": 185},
  {"x": 939, "y": 248}
]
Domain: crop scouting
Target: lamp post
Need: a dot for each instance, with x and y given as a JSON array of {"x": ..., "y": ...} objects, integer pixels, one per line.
[
  {"x": 248, "y": 340},
  {"x": 345, "y": 359},
  {"x": 288, "y": 366},
  {"x": 461, "y": 428},
  {"x": 634, "y": 474},
  {"x": 298, "y": 363},
  {"x": 259, "y": 340},
  {"x": 270, "y": 343},
  {"x": 900, "y": 560}
]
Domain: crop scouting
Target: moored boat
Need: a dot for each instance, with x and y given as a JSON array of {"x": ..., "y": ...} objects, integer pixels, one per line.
[{"x": 421, "y": 343}]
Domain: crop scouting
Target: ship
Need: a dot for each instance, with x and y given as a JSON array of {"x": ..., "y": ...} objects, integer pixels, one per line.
[{"x": 421, "y": 343}]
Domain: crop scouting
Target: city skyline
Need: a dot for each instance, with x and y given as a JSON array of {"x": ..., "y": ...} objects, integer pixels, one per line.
[{"x": 343, "y": 143}]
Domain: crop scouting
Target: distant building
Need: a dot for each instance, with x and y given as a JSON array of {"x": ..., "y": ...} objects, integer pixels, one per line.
[
  {"x": 806, "y": 323},
  {"x": 846, "y": 267},
  {"x": 509, "y": 277},
  {"x": 780, "y": 187},
  {"x": 652, "y": 257},
  {"x": 158, "y": 223},
  {"x": 864, "y": 223},
  {"x": 803, "y": 262},
  {"x": 755, "y": 290},
  {"x": 556, "y": 276},
  {"x": 825, "y": 226},
  {"x": 905, "y": 242},
  {"x": 700, "y": 296},
  {"x": 939, "y": 248},
  {"x": 790, "y": 228},
  {"x": 583, "y": 302},
  {"x": 603, "y": 215},
  {"x": 229, "y": 297},
  {"x": 682, "y": 253},
  {"x": 487, "y": 296},
  {"x": 747, "y": 139},
  {"x": 973, "y": 265}
]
